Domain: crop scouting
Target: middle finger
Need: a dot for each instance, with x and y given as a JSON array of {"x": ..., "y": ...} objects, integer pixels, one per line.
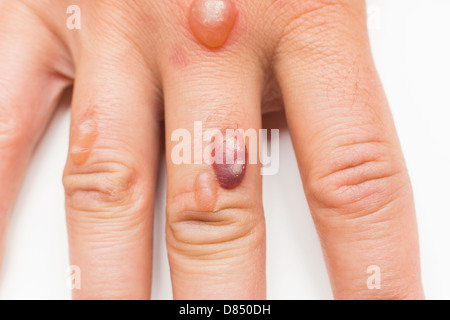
[{"x": 215, "y": 230}]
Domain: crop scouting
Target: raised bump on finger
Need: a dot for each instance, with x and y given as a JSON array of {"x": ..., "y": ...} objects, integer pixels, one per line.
[{"x": 211, "y": 21}]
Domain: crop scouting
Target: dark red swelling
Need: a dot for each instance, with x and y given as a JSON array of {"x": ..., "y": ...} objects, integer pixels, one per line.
[{"x": 230, "y": 160}]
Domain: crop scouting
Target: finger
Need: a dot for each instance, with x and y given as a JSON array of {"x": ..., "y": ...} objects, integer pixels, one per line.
[
  {"x": 110, "y": 174},
  {"x": 348, "y": 153},
  {"x": 30, "y": 88},
  {"x": 215, "y": 226}
]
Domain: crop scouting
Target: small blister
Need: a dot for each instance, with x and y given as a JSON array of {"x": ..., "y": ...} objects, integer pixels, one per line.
[
  {"x": 82, "y": 141},
  {"x": 211, "y": 21}
]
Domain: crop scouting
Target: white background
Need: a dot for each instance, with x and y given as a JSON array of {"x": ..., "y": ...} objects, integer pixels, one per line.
[{"x": 411, "y": 44}]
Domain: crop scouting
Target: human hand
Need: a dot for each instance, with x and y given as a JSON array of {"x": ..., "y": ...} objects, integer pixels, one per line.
[{"x": 135, "y": 64}]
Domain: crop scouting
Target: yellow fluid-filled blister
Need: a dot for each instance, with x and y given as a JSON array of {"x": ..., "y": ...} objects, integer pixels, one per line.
[{"x": 211, "y": 21}]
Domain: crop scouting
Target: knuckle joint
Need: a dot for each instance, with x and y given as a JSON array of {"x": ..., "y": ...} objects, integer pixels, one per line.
[
  {"x": 100, "y": 186},
  {"x": 360, "y": 178},
  {"x": 194, "y": 231}
]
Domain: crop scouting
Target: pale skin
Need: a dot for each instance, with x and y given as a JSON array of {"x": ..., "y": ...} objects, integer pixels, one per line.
[{"x": 137, "y": 63}]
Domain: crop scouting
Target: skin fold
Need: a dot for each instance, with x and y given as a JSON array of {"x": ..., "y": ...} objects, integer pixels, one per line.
[{"x": 136, "y": 64}]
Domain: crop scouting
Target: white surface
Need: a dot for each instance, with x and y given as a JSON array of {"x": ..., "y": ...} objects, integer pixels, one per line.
[{"x": 412, "y": 50}]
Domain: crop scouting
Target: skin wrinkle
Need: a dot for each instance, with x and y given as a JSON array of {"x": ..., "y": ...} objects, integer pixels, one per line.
[
  {"x": 102, "y": 187},
  {"x": 181, "y": 207},
  {"x": 231, "y": 232}
]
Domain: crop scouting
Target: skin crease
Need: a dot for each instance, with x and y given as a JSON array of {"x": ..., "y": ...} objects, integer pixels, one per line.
[
  {"x": 136, "y": 63},
  {"x": 211, "y": 21}
]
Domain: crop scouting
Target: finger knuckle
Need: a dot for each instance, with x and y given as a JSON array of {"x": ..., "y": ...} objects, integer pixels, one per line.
[
  {"x": 105, "y": 188},
  {"x": 231, "y": 226},
  {"x": 357, "y": 178}
]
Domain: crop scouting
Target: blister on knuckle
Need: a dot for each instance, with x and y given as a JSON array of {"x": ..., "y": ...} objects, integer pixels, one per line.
[{"x": 191, "y": 231}]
